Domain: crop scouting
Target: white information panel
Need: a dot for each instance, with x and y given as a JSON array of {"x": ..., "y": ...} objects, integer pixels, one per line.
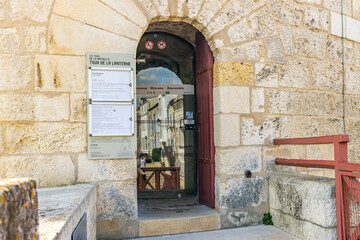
[
  {"x": 110, "y": 84},
  {"x": 111, "y": 119}
]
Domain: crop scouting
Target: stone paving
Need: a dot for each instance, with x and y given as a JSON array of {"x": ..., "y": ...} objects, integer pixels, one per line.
[{"x": 252, "y": 233}]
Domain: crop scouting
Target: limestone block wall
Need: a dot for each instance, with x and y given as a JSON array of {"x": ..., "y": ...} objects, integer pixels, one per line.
[
  {"x": 304, "y": 205},
  {"x": 277, "y": 73},
  {"x": 19, "y": 217}
]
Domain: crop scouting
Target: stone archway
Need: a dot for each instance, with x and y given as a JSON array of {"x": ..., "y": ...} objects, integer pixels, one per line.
[{"x": 76, "y": 27}]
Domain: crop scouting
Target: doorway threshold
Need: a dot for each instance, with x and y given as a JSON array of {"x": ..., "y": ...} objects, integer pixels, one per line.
[{"x": 173, "y": 216}]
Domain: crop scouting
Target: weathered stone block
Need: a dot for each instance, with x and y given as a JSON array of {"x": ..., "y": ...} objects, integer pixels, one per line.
[
  {"x": 237, "y": 161},
  {"x": 296, "y": 73},
  {"x": 352, "y": 79},
  {"x": 231, "y": 99},
  {"x": 97, "y": 14},
  {"x": 117, "y": 210},
  {"x": 332, "y": 126},
  {"x": 304, "y": 230},
  {"x": 243, "y": 218},
  {"x": 303, "y": 200},
  {"x": 266, "y": 75},
  {"x": 321, "y": 104},
  {"x": 357, "y": 54},
  {"x": 285, "y": 102},
  {"x": 353, "y": 129},
  {"x": 246, "y": 52},
  {"x": 227, "y": 130},
  {"x": 320, "y": 152},
  {"x": 35, "y": 10},
  {"x": 162, "y": 7},
  {"x": 208, "y": 10},
  {"x": 315, "y": 2},
  {"x": 232, "y": 11},
  {"x": 101, "y": 170},
  {"x": 309, "y": 44},
  {"x": 48, "y": 171},
  {"x": 327, "y": 75},
  {"x": 15, "y": 72},
  {"x": 233, "y": 73},
  {"x": 286, "y": 39},
  {"x": 293, "y": 127},
  {"x": 259, "y": 131},
  {"x": 263, "y": 23},
  {"x": 51, "y": 108},
  {"x": 257, "y": 100},
  {"x": 32, "y": 37},
  {"x": 354, "y": 152},
  {"x": 191, "y": 7},
  {"x": 287, "y": 12},
  {"x": 149, "y": 8},
  {"x": 78, "y": 107},
  {"x": 241, "y": 31},
  {"x": 244, "y": 192},
  {"x": 316, "y": 18},
  {"x": 356, "y": 9},
  {"x": 2, "y": 10},
  {"x": 67, "y": 36},
  {"x": 17, "y": 107},
  {"x": 60, "y": 73},
  {"x": 275, "y": 51},
  {"x": 9, "y": 40},
  {"x": 334, "y": 50},
  {"x": 19, "y": 209},
  {"x": 281, "y": 151},
  {"x": 45, "y": 138},
  {"x": 335, "y": 5},
  {"x": 352, "y": 106},
  {"x": 129, "y": 9}
]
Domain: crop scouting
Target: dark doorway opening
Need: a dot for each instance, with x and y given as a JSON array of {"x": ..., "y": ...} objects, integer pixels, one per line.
[{"x": 175, "y": 142}]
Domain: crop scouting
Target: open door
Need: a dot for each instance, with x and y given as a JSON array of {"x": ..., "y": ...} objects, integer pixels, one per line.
[{"x": 205, "y": 121}]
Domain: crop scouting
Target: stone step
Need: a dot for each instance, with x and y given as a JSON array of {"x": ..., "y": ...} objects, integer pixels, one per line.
[
  {"x": 173, "y": 216},
  {"x": 165, "y": 226}
]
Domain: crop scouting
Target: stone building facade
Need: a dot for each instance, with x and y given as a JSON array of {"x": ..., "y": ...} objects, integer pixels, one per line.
[{"x": 277, "y": 74}]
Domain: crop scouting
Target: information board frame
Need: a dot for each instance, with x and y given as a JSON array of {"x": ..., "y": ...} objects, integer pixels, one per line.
[
  {"x": 111, "y": 147},
  {"x": 90, "y": 87},
  {"x": 131, "y": 118}
]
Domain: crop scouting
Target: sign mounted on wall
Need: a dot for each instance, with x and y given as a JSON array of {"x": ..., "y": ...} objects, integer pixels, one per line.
[
  {"x": 110, "y": 105},
  {"x": 161, "y": 44},
  {"x": 111, "y": 84},
  {"x": 149, "y": 45}
]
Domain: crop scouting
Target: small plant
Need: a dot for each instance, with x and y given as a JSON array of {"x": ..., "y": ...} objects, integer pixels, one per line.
[
  {"x": 162, "y": 164},
  {"x": 267, "y": 219},
  {"x": 156, "y": 154}
]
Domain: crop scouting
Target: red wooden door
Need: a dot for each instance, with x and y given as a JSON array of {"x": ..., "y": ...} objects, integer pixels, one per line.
[{"x": 205, "y": 121}]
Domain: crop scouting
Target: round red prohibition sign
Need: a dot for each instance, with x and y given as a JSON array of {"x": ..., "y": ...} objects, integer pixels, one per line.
[
  {"x": 149, "y": 45},
  {"x": 161, "y": 44}
]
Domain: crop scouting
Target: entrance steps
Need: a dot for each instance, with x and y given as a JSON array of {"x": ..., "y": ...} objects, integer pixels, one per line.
[
  {"x": 259, "y": 232},
  {"x": 174, "y": 216}
]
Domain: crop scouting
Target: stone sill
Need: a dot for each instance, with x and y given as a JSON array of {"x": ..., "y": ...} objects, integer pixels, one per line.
[{"x": 61, "y": 208}]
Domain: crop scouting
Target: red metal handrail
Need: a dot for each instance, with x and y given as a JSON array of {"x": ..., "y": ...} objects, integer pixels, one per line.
[{"x": 342, "y": 168}]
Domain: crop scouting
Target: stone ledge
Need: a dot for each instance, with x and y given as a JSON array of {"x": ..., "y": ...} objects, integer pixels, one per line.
[
  {"x": 303, "y": 205},
  {"x": 61, "y": 208}
]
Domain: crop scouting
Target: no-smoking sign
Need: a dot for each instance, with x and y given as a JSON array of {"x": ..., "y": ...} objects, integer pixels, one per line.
[
  {"x": 161, "y": 44},
  {"x": 149, "y": 45}
]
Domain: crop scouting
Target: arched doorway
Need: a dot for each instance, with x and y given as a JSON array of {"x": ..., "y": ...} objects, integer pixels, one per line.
[{"x": 174, "y": 116}]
